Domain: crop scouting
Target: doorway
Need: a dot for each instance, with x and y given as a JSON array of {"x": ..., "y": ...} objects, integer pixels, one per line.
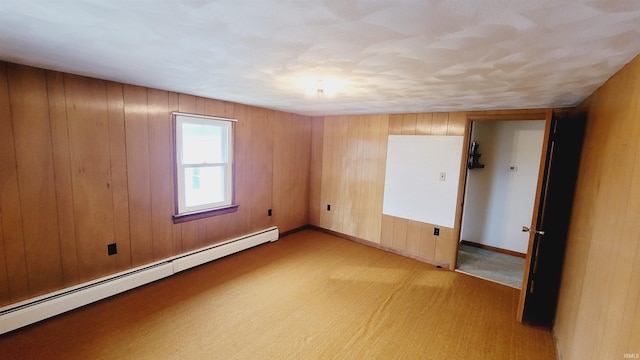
[{"x": 499, "y": 198}]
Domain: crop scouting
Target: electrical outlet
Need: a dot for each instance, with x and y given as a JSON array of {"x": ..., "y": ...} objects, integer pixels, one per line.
[
  {"x": 112, "y": 249},
  {"x": 436, "y": 231},
  {"x": 269, "y": 212}
]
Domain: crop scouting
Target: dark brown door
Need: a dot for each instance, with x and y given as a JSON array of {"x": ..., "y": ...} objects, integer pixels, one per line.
[{"x": 546, "y": 255}]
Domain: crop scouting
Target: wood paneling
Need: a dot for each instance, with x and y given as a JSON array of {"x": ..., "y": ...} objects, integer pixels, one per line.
[
  {"x": 414, "y": 238},
  {"x": 87, "y": 162},
  {"x": 14, "y": 280},
  {"x": 34, "y": 160},
  {"x": 353, "y": 163},
  {"x": 63, "y": 178},
  {"x": 598, "y": 310},
  {"x": 315, "y": 201},
  {"x": 136, "y": 118},
  {"x": 119, "y": 180},
  {"x": 161, "y": 172},
  {"x": 352, "y": 180},
  {"x": 88, "y": 124},
  {"x": 261, "y": 132},
  {"x": 291, "y": 191}
]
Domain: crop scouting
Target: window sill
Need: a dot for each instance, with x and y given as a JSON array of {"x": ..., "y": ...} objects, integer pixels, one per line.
[{"x": 180, "y": 218}]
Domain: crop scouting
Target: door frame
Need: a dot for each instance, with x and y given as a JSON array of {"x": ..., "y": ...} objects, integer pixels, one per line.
[{"x": 508, "y": 115}]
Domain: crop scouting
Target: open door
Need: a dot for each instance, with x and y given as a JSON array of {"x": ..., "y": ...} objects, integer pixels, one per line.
[{"x": 550, "y": 223}]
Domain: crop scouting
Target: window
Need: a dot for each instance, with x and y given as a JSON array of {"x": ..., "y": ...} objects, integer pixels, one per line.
[{"x": 204, "y": 164}]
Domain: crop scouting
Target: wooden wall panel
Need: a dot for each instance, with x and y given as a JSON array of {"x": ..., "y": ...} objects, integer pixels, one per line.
[
  {"x": 352, "y": 161},
  {"x": 352, "y": 181},
  {"x": 138, "y": 173},
  {"x": 119, "y": 180},
  {"x": 315, "y": 187},
  {"x": 161, "y": 172},
  {"x": 291, "y": 171},
  {"x": 423, "y": 123},
  {"x": 87, "y": 162},
  {"x": 353, "y": 158},
  {"x": 91, "y": 174},
  {"x": 598, "y": 312},
  {"x": 326, "y": 195},
  {"x": 242, "y": 180},
  {"x": 33, "y": 154},
  {"x": 14, "y": 279},
  {"x": 413, "y": 238},
  {"x": 62, "y": 174},
  {"x": 260, "y": 122},
  {"x": 399, "y": 241}
]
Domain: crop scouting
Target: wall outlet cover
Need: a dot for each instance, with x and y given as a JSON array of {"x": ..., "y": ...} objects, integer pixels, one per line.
[{"x": 112, "y": 249}]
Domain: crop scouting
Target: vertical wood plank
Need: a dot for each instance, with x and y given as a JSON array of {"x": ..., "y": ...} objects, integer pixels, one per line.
[
  {"x": 291, "y": 168},
  {"x": 62, "y": 175},
  {"x": 371, "y": 182},
  {"x": 457, "y": 123},
  {"x": 161, "y": 158},
  {"x": 400, "y": 233},
  {"x": 414, "y": 237},
  {"x": 439, "y": 123},
  {"x": 138, "y": 170},
  {"x": 339, "y": 181},
  {"x": 316, "y": 171},
  {"x": 427, "y": 242},
  {"x": 386, "y": 232},
  {"x": 395, "y": 124},
  {"x": 261, "y": 166},
  {"x": 383, "y": 131},
  {"x": 369, "y": 227},
  {"x": 326, "y": 192},
  {"x": 349, "y": 190},
  {"x": 119, "y": 180},
  {"x": 6, "y": 139},
  {"x": 91, "y": 176},
  {"x": 444, "y": 246},
  {"x": 409, "y": 122},
  {"x": 219, "y": 108},
  {"x": 15, "y": 277},
  {"x": 33, "y": 153},
  {"x": 423, "y": 123}
]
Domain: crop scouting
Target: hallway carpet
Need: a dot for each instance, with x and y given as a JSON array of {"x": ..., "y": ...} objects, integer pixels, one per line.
[{"x": 490, "y": 265}]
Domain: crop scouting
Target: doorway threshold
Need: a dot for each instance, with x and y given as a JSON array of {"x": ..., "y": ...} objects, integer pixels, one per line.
[{"x": 492, "y": 266}]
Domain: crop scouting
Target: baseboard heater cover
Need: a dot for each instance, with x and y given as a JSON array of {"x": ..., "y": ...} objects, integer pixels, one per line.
[{"x": 43, "y": 307}]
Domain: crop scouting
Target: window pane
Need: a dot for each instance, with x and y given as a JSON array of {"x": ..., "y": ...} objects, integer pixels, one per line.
[
  {"x": 203, "y": 143},
  {"x": 203, "y": 185}
]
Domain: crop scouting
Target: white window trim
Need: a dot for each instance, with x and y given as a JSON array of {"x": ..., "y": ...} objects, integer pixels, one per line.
[{"x": 180, "y": 208}]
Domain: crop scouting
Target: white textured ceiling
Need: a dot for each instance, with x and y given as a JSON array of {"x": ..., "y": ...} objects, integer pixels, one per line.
[{"x": 389, "y": 56}]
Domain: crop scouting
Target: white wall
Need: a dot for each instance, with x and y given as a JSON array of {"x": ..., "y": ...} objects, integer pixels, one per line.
[
  {"x": 422, "y": 177},
  {"x": 498, "y": 202}
]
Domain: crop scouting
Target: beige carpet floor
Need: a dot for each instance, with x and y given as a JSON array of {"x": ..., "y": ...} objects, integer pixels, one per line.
[{"x": 307, "y": 296}]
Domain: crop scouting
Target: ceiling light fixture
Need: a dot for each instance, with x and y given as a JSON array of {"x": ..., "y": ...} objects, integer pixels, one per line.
[{"x": 322, "y": 88}]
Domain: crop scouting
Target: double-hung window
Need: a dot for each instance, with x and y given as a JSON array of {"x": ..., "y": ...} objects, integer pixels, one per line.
[{"x": 204, "y": 164}]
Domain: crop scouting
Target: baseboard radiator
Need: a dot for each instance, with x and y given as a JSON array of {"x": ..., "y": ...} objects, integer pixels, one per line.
[{"x": 36, "y": 309}]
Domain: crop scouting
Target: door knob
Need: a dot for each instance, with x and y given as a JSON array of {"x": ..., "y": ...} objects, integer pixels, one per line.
[{"x": 526, "y": 229}]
